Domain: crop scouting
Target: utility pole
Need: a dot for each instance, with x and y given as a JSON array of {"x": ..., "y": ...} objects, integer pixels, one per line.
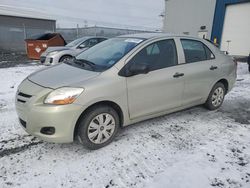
[
  {"x": 25, "y": 36},
  {"x": 228, "y": 44},
  {"x": 162, "y": 15},
  {"x": 85, "y": 23},
  {"x": 95, "y": 31},
  {"x": 77, "y": 31}
]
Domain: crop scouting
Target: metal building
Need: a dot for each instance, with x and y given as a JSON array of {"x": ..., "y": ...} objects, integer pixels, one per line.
[
  {"x": 15, "y": 27},
  {"x": 225, "y": 22}
]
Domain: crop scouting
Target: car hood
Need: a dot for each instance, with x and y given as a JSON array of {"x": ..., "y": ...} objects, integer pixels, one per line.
[
  {"x": 61, "y": 75},
  {"x": 56, "y": 48}
]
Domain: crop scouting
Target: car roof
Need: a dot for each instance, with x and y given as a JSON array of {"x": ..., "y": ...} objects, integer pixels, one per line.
[{"x": 155, "y": 35}]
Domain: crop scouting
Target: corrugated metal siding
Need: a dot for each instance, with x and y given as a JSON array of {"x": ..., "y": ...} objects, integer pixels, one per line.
[
  {"x": 187, "y": 17},
  {"x": 13, "y": 31}
]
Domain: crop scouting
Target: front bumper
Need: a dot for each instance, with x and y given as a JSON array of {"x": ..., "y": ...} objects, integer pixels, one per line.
[
  {"x": 232, "y": 79},
  {"x": 47, "y": 59},
  {"x": 34, "y": 115}
]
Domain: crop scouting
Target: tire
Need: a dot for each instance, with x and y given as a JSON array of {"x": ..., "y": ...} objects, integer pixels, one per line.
[
  {"x": 64, "y": 58},
  {"x": 216, "y": 96},
  {"x": 91, "y": 134}
]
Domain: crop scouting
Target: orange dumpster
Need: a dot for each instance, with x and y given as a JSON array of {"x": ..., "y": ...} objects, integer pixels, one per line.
[{"x": 37, "y": 44}]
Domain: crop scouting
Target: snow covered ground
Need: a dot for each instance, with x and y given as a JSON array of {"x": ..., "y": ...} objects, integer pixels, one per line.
[{"x": 195, "y": 148}]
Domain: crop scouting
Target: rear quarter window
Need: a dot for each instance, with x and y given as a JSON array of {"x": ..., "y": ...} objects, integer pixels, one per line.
[{"x": 196, "y": 51}]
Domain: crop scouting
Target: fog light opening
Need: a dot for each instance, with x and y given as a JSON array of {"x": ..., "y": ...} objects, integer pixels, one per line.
[
  {"x": 51, "y": 60},
  {"x": 48, "y": 130}
]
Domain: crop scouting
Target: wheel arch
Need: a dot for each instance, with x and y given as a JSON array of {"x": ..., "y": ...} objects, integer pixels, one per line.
[
  {"x": 64, "y": 55},
  {"x": 224, "y": 82},
  {"x": 112, "y": 104}
]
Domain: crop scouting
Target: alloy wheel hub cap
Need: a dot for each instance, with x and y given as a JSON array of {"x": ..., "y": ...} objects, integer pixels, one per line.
[
  {"x": 101, "y": 128},
  {"x": 217, "y": 96}
]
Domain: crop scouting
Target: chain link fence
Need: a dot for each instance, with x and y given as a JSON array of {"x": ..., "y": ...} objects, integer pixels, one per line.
[{"x": 71, "y": 34}]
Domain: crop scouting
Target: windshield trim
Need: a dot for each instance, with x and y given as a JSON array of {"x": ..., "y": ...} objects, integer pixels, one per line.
[
  {"x": 90, "y": 66},
  {"x": 81, "y": 40}
]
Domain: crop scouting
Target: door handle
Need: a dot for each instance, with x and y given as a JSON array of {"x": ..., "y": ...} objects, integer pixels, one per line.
[
  {"x": 177, "y": 75},
  {"x": 213, "y": 67}
]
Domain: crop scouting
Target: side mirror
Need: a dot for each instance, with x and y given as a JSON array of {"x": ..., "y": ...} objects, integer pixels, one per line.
[
  {"x": 82, "y": 46},
  {"x": 134, "y": 69}
]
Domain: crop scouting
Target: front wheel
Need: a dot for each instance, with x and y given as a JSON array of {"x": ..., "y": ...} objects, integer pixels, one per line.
[
  {"x": 98, "y": 127},
  {"x": 216, "y": 96},
  {"x": 65, "y": 58}
]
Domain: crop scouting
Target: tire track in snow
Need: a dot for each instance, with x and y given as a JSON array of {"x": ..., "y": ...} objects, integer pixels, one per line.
[
  {"x": 19, "y": 138},
  {"x": 10, "y": 151},
  {"x": 17, "y": 145}
]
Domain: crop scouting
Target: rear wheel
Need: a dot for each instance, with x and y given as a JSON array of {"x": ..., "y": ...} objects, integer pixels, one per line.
[
  {"x": 216, "y": 96},
  {"x": 98, "y": 127}
]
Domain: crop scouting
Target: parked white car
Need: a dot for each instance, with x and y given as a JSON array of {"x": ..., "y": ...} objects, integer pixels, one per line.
[{"x": 58, "y": 54}]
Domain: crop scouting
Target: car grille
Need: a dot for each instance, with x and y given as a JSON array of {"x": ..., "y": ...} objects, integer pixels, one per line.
[
  {"x": 42, "y": 59},
  {"x": 22, "y": 97}
]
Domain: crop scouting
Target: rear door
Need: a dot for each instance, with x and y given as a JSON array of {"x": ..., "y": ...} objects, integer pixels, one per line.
[
  {"x": 160, "y": 89},
  {"x": 200, "y": 69}
]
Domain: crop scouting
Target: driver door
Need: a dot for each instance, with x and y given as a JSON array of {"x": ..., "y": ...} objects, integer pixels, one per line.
[
  {"x": 160, "y": 89},
  {"x": 86, "y": 44}
]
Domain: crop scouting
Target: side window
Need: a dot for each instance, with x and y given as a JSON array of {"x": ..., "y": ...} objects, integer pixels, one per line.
[
  {"x": 195, "y": 51},
  {"x": 153, "y": 49},
  {"x": 92, "y": 42},
  {"x": 209, "y": 54},
  {"x": 157, "y": 55},
  {"x": 101, "y": 39},
  {"x": 85, "y": 43}
]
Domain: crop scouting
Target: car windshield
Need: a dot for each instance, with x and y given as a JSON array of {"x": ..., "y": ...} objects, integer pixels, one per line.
[
  {"x": 75, "y": 42},
  {"x": 105, "y": 54}
]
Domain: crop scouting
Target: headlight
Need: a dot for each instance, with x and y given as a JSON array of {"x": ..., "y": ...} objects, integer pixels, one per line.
[
  {"x": 64, "y": 95},
  {"x": 53, "y": 53}
]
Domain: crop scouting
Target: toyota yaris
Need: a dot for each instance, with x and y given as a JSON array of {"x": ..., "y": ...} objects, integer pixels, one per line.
[{"x": 122, "y": 81}]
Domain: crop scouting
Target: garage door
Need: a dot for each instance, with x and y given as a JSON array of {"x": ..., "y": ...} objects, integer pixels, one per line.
[{"x": 236, "y": 30}]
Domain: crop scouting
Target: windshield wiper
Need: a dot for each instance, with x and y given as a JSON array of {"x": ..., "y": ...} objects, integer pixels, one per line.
[{"x": 83, "y": 62}]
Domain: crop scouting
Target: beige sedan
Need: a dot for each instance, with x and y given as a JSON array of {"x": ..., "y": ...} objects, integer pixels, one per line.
[{"x": 122, "y": 81}]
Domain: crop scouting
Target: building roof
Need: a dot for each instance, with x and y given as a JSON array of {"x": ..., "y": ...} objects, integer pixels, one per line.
[{"x": 24, "y": 13}]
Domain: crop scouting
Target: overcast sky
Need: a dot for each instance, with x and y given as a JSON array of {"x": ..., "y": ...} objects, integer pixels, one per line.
[{"x": 115, "y": 13}]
